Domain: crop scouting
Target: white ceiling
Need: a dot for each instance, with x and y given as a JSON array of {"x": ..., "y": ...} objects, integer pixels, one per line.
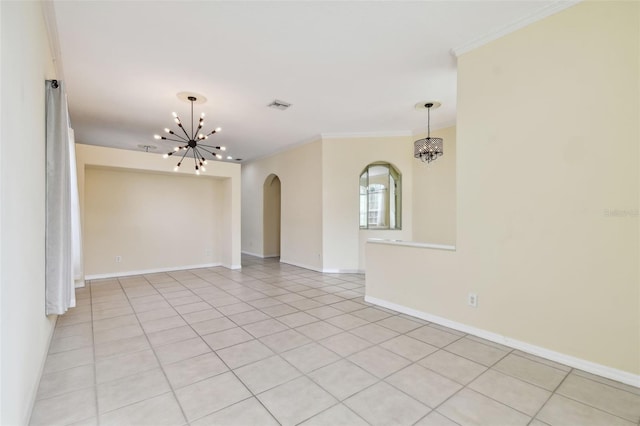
[{"x": 347, "y": 67}]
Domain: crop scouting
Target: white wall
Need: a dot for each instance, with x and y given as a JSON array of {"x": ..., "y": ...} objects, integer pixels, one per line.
[
  {"x": 300, "y": 173},
  {"x": 434, "y": 194},
  {"x": 211, "y": 199},
  {"x": 548, "y": 150},
  {"x": 25, "y": 330}
]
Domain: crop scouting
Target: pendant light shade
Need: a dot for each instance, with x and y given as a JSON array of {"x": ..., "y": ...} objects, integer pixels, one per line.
[{"x": 428, "y": 149}]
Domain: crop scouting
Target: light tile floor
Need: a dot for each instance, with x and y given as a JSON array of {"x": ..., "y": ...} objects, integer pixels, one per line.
[{"x": 276, "y": 344}]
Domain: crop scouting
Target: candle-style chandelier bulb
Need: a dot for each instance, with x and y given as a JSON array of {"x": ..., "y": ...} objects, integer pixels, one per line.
[{"x": 191, "y": 142}]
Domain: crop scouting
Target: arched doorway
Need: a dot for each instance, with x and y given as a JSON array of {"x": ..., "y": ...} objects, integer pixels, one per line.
[{"x": 271, "y": 216}]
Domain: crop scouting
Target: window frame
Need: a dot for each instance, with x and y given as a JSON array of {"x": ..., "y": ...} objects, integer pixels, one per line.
[{"x": 387, "y": 193}]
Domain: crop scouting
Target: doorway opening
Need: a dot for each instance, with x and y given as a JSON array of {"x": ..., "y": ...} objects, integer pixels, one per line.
[{"x": 271, "y": 216}]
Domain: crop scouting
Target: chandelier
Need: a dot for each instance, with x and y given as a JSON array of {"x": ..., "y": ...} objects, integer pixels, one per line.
[
  {"x": 192, "y": 142},
  {"x": 428, "y": 149}
]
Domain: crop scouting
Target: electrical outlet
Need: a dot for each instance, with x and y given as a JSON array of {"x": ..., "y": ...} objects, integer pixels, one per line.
[
  {"x": 118, "y": 259},
  {"x": 472, "y": 300}
]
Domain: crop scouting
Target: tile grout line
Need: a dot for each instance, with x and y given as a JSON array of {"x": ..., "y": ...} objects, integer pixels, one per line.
[
  {"x": 279, "y": 356},
  {"x": 95, "y": 360},
  {"x": 157, "y": 359},
  {"x": 229, "y": 370},
  {"x": 306, "y": 281},
  {"x": 584, "y": 403}
]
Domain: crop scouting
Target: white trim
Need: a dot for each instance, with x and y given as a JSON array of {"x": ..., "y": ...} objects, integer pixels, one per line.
[
  {"x": 522, "y": 22},
  {"x": 252, "y": 254},
  {"x": 582, "y": 364},
  {"x": 411, "y": 244},
  {"x": 152, "y": 271},
  {"x": 34, "y": 392},
  {"x": 233, "y": 267},
  {"x": 50, "y": 22},
  {"x": 343, "y": 271},
  {"x": 301, "y": 265},
  {"x": 392, "y": 134},
  {"x": 261, "y": 256}
]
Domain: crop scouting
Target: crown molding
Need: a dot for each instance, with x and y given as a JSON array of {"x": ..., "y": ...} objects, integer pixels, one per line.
[
  {"x": 49, "y": 14},
  {"x": 495, "y": 34}
]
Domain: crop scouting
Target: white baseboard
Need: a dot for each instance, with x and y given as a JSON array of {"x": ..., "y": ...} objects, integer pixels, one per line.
[
  {"x": 579, "y": 363},
  {"x": 301, "y": 265},
  {"x": 150, "y": 271},
  {"x": 343, "y": 271},
  {"x": 261, "y": 256},
  {"x": 234, "y": 267},
  {"x": 34, "y": 392}
]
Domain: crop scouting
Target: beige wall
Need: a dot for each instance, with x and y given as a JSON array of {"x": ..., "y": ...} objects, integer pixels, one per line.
[
  {"x": 332, "y": 166},
  {"x": 300, "y": 174},
  {"x": 434, "y": 194},
  {"x": 547, "y": 152},
  {"x": 25, "y": 331},
  {"x": 151, "y": 220},
  {"x": 152, "y": 204},
  {"x": 343, "y": 160}
]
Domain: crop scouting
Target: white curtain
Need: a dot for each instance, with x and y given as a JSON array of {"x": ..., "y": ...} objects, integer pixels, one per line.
[
  {"x": 76, "y": 226},
  {"x": 63, "y": 255}
]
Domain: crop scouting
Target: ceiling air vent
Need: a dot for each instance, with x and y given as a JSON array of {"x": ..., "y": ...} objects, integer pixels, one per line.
[{"x": 281, "y": 105}]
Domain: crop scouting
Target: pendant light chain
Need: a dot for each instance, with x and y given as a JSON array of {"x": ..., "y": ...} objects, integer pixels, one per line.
[{"x": 428, "y": 149}]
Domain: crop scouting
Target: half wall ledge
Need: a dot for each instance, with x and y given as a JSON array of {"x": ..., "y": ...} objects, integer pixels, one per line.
[{"x": 411, "y": 244}]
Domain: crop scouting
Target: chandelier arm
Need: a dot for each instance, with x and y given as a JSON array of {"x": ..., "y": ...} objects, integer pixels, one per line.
[
  {"x": 208, "y": 146},
  {"x": 195, "y": 160},
  {"x": 174, "y": 140},
  {"x": 206, "y": 150},
  {"x": 178, "y": 136},
  {"x": 200, "y": 156},
  {"x": 179, "y": 123},
  {"x": 184, "y": 155}
]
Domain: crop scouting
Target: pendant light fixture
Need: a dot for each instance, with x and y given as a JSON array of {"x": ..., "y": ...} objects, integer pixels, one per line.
[
  {"x": 428, "y": 149},
  {"x": 192, "y": 142}
]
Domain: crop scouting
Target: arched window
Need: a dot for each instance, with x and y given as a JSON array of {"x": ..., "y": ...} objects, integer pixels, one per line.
[{"x": 380, "y": 197}]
